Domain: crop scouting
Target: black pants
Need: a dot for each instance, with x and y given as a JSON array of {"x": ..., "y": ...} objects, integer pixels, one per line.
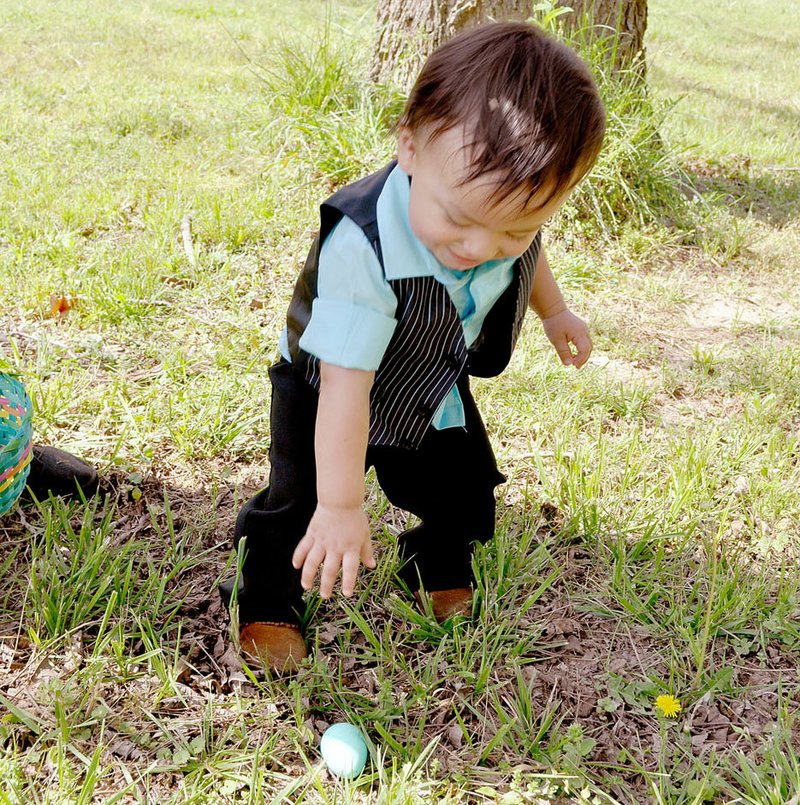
[{"x": 448, "y": 482}]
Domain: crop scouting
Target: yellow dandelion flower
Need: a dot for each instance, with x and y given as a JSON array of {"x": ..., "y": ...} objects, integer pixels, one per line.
[{"x": 668, "y": 705}]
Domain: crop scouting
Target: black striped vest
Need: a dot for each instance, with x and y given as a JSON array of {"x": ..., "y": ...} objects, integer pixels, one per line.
[{"x": 427, "y": 352}]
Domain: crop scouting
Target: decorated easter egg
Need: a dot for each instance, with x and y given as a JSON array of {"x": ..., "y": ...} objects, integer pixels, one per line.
[{"x": 343, "y": 750}]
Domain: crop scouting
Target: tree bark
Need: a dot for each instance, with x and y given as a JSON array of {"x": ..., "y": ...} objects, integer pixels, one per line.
[
  {"x": 410, "y": 30},
  {"x": 627, "y": 19}
]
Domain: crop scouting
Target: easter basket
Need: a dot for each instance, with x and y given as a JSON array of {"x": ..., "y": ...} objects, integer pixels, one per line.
[{"x": 16, "y": 434}]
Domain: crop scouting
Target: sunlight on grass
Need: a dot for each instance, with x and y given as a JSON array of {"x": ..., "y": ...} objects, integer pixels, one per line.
[{"x": 733, "y": 66}]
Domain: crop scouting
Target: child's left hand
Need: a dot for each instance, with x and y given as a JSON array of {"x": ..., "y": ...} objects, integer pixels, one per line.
[{"x": 565, "y": 329}]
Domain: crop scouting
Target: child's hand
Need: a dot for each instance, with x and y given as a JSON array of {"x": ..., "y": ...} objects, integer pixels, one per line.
[
  {"x": 335, "y": 538},
  {"x": 565, "y": 328}
]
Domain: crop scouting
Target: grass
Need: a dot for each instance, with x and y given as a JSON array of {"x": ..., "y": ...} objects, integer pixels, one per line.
[
  {"x": 163, "y": 165},
  {"x": 705, "y": 56}
]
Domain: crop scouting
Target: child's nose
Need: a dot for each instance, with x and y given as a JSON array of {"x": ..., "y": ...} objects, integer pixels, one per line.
[{"x": 480, "y": 246}]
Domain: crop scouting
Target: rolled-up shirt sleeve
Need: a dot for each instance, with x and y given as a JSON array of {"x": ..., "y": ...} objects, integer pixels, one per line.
[{"x": 352, "y": 318}]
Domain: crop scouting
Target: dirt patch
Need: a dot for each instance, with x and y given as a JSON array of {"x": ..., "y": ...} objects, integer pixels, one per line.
[
  {"x": 591, "y": 680},
  {"x": 718, "y": 319}
]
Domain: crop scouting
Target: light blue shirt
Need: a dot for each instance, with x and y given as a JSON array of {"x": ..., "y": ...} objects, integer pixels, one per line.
[{"x": 352, "y": 318}]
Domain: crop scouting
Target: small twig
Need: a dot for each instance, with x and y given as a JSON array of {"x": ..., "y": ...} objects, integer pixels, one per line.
[
  {"x": 188, "y": 246},
  {"x": 633, "y": 646},
  {"x": 161, "y": 302}
]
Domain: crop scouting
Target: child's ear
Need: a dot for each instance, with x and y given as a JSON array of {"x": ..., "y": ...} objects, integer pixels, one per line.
[{"x": 406, "y": 150}]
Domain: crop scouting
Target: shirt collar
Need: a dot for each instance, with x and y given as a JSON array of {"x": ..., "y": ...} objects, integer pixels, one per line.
[{"x": 404, "y": 255}]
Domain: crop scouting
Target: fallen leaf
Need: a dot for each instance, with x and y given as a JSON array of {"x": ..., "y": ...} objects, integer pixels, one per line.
[
  {"x": 328, "y": 633},
  {"x": 455, "y": 735},
  {"x": 231, "y": 659},
  {"x": 125, "y": 749},
  {"x": 563, "y": 626},
  {"x": 60, "y": 305}
]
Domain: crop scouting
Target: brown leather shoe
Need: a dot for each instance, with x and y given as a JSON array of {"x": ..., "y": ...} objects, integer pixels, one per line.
[
  {"x": 446, "y": 603},
  {"x": 277, "y": 646}
]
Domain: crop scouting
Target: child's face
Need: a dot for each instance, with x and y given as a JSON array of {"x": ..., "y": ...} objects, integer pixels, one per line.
[{"x": 461, "y": 224}]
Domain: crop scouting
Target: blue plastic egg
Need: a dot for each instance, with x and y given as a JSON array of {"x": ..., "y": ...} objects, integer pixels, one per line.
[{"x": 343, "y": 750}]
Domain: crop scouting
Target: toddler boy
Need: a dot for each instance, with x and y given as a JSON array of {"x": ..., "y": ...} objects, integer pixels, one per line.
[{"x": 420, "y": 277}]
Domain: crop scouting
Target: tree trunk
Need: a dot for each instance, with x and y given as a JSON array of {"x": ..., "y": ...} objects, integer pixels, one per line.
[
  {"x": 626, "y": 18},
  {"x": 410, "y": 30}
]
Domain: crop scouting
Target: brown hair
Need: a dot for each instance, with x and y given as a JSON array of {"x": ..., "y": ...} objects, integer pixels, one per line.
[{"x": 535, "y": 112}]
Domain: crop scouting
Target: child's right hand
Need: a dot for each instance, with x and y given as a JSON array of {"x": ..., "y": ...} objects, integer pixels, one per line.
[{"x": 335, "y": 538}]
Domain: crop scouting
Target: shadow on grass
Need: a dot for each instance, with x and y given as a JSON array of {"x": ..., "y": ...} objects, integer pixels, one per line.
[
  {"x": 772, "y": 197},
  {"x": 786, "y": 113},
  {"x": 155, "y": 550},
  {"x": 577, "y": 629}
]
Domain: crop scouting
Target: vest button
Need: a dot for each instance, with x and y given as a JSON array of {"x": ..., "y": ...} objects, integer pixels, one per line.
[
  {"x": 406, "y": 443},
  {"x": 453, "y": 361},
  {"x": 423, "y": 410}
]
